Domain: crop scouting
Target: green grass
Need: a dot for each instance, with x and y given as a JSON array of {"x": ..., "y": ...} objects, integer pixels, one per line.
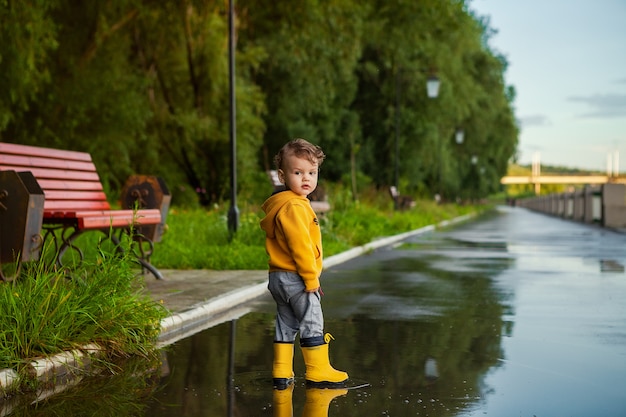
[
  {"x": 47, "y": 310},
  {"x": 199, "y": 239}
]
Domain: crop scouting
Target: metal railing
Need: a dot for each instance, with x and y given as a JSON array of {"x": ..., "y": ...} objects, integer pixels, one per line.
[{"x": 604, "y": 204}]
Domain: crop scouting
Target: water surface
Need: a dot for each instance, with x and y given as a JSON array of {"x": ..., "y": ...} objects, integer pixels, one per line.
[
  {"x": 516, "y": 313},
  {"x": 513, "y": 314}
]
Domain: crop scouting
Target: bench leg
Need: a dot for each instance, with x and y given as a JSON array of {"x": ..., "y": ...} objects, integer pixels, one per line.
[
  {"x": 68, "y": 244},
  {"x": 143, "y": 258},
  {"x": 68, "y": 235},
  {"x": 147, "y": 265}
]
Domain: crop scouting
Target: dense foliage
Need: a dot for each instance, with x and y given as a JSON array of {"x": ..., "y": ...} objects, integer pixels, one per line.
[{"x": 144, "y": 87}]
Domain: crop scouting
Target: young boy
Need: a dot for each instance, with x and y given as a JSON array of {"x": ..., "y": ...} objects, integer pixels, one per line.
[{"x": 294, "y": 244}]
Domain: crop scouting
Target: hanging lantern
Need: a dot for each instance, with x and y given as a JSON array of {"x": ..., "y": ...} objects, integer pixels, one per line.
[
  {"x": 432, "y": 86},
  {"x": 459, "y": 136}
]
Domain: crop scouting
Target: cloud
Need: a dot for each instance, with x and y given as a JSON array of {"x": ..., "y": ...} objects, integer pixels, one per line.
[
  {"x": 603, "y": 105},
  {"x": 534, "y": 120}
]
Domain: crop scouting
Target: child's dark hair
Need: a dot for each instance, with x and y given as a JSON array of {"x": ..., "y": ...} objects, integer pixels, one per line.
[{"x": 302, "y": 149}]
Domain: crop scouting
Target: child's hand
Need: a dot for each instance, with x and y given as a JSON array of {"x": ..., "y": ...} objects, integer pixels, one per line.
[{"x": 316, "y": 290}]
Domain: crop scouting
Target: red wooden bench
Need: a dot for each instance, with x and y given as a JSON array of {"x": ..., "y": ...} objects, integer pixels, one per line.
[{"x": 74, "y": 198}]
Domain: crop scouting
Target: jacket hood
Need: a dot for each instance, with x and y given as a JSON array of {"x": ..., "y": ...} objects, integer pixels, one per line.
[{"x": 272, "y": 206}]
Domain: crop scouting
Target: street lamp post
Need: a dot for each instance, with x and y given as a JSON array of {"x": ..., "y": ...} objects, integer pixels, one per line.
[
  {"x": 432, "y": 90},
  {"x": 233, "y": 212},
  {"x": 459, "y": 138}
]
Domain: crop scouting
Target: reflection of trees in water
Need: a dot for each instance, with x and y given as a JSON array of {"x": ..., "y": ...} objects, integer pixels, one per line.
[
  {"x": 122, "y": 392},
  {"x": 431, "y": 358},
  {"x": 464, "y": 342},
  {"x": 198, "y": 381},
  {"x": 459, "y": 337},
  {"x": 460, "y": 327}
]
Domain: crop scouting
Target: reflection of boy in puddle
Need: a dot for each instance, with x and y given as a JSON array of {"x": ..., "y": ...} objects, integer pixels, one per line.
[{"x": 316, "y": 403}]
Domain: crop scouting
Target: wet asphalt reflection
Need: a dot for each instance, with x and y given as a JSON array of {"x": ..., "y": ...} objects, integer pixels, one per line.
[{"x": 515, "y": 313}]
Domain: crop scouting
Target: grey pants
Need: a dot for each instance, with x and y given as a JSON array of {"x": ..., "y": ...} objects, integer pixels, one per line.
[{"x": 296, "y": 309}]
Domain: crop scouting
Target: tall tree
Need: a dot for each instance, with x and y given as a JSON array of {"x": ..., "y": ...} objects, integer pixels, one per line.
[
  {"x": 312, "y": 48},
  {"x": 27, "y": 37},
  {"x": 143, "y": 86}
]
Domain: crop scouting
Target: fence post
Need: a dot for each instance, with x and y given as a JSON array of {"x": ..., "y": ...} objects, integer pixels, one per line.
[{"x": 614, "y": 205}]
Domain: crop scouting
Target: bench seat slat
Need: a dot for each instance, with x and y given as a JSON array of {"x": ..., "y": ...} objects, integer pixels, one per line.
[
  {"x": 15, "y": 149},
  {"x": 320, "y": 206},
  {"x": 119, "y": 213},
  {"x": 117, "y": 218},
  {"x": 52, "y": 195},
  {"x": 146, "y": 216},
  {"x": 73, "y": 206}
]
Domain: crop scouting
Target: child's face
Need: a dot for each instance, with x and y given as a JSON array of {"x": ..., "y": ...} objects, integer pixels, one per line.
[{"x": 299, "y": 175}]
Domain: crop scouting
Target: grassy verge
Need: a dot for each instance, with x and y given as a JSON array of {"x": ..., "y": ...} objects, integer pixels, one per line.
[
  {"x": 46, "y": 311},
  {"x": 199, "y": 239}
]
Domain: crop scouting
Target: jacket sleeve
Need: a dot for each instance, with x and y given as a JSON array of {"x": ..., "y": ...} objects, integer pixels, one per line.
[{"x": 295, "y": 221}]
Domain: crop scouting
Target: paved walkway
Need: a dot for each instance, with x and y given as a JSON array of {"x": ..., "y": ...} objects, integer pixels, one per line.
[{"x": 197, "y": 299}]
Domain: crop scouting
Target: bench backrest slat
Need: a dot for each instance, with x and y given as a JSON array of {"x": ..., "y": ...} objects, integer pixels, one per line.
[
  {"x": 56, "y": 174},
  {"x": 16, "y": 149},
  {"x": 49, "y": 163},
  {"x": 69, "y": 185},
  {"x": 69, "y": 179}
]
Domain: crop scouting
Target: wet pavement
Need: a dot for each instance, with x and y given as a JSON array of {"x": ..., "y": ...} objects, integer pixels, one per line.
[
  {"x": 516, "y": 313},
  {"x": 200, "y": 299}
]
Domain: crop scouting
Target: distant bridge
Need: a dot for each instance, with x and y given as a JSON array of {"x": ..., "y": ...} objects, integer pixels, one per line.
[{"x": 537, "y": 180}]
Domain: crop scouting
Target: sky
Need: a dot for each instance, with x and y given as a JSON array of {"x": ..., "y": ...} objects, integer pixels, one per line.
[{"x": 567, "y": 62}]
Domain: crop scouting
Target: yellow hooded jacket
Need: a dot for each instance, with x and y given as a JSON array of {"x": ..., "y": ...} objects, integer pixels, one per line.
[{"x": 293, "y": 237}]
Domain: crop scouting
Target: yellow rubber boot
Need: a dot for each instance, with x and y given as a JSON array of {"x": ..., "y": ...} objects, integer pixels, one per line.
[
  {"x": 282, "y": 370},
  {"x": 319, "y": 371},
  {"x": 282, "y": 402},
  {"x": 318, "y": 400}
]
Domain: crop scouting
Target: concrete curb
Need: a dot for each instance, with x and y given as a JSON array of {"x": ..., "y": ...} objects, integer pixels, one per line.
[
  {"x": 8, "y": 379},
  {"x": 59, "y": 366},
  {"x": 47, "y": 371},
  {"x": 178, "y": 326},
  {"x": 205, "y": 315},
  {"x": 387, "y": 241}
]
